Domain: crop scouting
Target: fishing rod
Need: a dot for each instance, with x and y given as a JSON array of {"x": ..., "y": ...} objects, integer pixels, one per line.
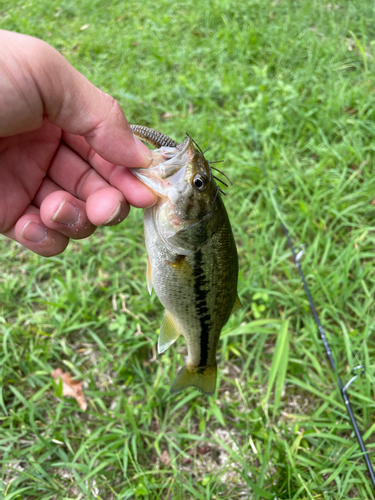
[{"x": 358, "y": 370}]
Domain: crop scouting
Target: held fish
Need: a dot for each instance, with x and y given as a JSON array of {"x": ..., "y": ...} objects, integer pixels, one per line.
[{"x": 192, "y": 256}]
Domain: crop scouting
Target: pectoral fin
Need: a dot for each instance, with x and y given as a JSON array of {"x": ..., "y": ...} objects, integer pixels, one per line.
[
  {"x": 204, "y": 381},
  {"x": 237, "y": 305},
  {"x": 180, "y": 264},
  {"x": 168, "y": 332},
  {"x": 148, "y": 276}
]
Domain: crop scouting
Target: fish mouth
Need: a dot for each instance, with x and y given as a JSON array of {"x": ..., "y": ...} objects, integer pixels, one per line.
[{"x": 167, "y": 169}]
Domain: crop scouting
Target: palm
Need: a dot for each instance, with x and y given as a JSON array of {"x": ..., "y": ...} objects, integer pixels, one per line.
[{"x": 24, "y": 162}]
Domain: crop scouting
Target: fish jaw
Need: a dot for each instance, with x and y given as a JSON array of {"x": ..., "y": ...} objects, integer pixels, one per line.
[{"x": 168, "y": 168}]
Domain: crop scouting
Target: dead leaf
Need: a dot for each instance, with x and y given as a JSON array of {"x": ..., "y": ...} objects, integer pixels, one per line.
[
  {"x": 165, "y": 458},
  {"x": 71, "y": 388},
  {"x": 84, "y": 27},
  {"x": 202, "y": 450},
  {"x": 199, "y": 450},
  {"x": 350, "y": 110}
]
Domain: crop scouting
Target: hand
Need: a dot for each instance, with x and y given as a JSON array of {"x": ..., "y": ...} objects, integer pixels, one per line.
[{"x": 64, "y": 145}]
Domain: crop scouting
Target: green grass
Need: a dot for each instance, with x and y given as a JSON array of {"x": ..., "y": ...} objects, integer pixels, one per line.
[{"x": 298, "y": 78}]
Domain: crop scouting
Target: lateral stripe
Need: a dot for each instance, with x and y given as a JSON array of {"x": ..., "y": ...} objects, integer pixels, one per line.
[{"x": 201, "y": 293}]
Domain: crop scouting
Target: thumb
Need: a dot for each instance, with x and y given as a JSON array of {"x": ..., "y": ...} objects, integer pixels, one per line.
[{"x": 54, "y": 89}]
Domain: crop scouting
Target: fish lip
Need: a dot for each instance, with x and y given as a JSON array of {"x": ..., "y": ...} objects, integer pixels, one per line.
[{"x": 159, "y": 177}]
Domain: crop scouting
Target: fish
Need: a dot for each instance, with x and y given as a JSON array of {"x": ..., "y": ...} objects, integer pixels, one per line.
[{"x": 192, "y": 257}]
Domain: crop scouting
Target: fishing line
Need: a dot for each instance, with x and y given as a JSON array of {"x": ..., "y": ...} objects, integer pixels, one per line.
[{"x": 356, "y": 371}]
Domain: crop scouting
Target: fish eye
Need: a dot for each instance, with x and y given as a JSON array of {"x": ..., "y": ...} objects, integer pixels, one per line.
[{"x": 200, "y": 182}]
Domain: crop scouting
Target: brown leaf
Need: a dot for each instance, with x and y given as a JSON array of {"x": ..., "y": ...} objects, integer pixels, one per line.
[
  {"x": 350, "y": 110},
  {"x": 71, "y": 388},
  {"x": 202, "y": 450},
  {"x": 165, "y": 458},
  {"x": 199, "y": 33}
]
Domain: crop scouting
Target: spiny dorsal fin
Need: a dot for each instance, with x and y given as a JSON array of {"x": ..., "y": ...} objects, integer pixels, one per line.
[
  {"x": 204, "y": 381},
  {"x": 237, "y": 305},
  {"x": 148, "y": 276},
  {"x": 168, "y": 332}
]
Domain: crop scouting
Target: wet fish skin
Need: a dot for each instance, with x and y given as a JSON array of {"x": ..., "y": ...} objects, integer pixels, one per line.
[{"x": 193, "y": 263}]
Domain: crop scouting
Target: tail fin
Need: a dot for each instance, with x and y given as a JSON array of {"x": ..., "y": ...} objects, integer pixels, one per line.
[{"x": 204, "y": 380}]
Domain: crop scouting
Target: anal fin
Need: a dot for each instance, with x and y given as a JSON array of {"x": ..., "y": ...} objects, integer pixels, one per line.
[
  {"x": 237, "y": 305},
  {"x": 204, "y": 380},
  {"x": 169, "y": 332}
]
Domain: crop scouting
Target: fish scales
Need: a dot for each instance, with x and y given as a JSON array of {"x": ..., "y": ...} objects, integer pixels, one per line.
[{"x": 193, "y": 263}]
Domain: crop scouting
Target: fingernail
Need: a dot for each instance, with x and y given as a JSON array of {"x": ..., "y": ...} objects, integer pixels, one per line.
[
  {"x": 143, "y": 149},
  {"x": 32, "y": 231},
  {"x": 114, "y": 218},
  {"x": 152, "y": 204},
  {"x": 66, "y": 214}
]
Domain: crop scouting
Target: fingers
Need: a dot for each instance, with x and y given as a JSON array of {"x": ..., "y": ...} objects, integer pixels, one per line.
[
  {"x": 66, "y": 214},
  {"x": 63, "y": 212},
  {"x": 51, "y": 87},
  {"x": 30, "y": 231},
  {"x": 69, "y": 171},
  {"x": 76, "y": 219},
  {"x": 73, "y": 173},
  {"x": 135, "y": 192},
  {"x": 104, "y": 205},
  {"x": 62, "y": 216},
  {"x": 107, "y": 207}
]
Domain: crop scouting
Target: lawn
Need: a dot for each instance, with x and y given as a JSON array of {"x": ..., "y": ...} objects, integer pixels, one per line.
[{"x": 286, "y": 85}]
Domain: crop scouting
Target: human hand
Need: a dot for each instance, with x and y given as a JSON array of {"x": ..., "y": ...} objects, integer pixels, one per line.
[{"x": 64, "y": 145}]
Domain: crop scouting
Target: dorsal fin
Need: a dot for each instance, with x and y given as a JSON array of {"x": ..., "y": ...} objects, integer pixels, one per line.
[{"x": 168, "y": 332}]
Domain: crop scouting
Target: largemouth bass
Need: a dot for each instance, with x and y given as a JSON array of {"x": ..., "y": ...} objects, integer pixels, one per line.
[{"x": 192, "y": 256}]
